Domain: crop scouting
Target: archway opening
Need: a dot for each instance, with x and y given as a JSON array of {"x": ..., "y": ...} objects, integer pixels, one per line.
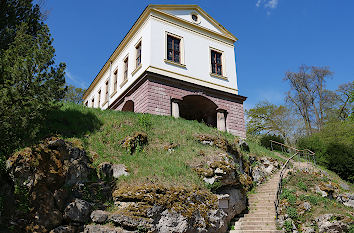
[
  {"x": 200, "y": 108},
  {"x": 128, "y": 106}
]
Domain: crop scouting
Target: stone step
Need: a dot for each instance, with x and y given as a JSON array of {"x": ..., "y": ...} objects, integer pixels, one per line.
[
  {"x": 271, "y": 190},
  {"x": 262, "y": 206},
  {"x": 255, "y": 231},
  {"x": 261, "y": 197},
  {"x": 258, "y": 201},
  {"x": 272, "y": 208},
  {"x": 260, "y": 215},
  {"x": 256, "y": 219},
  {"x": 257, "y": 223},
  {"x": 259, "y": 227}
]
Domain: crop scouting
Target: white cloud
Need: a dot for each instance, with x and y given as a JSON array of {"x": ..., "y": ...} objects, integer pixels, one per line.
[
  {"x": 271, "y": 4},
  {"x": 75, "y": 80},
  {"x": 267, "y": 4}
]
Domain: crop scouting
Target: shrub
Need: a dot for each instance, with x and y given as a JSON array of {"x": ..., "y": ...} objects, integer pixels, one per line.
[
  {"x": 145, "y": 121},
  {"x": 302, "y": 186},
  {"x": 334, "y": 147},
  {"x": 314, "y": 200},
  {"x": 340, "y": 159},
  {"x": 292, "y": 212},
  {"x": 288, "y": 226},
  {"x": 265, "y": 141}
]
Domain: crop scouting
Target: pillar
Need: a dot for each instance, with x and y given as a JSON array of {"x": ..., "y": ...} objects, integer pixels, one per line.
[
  {"x": 175, "y": 108},
  {"x": 221, "y": 119}
]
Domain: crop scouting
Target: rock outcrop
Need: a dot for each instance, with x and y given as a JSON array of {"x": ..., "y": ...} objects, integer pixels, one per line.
[
  {"x": 47, "y": 180},
  {"x": 262, "y": 168}
]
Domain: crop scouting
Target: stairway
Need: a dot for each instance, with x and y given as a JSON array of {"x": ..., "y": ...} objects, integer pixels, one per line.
[{"x": 261, "y": 215}]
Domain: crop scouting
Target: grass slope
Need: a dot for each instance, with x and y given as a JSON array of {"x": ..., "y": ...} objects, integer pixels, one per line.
[{"x": 101, "y": 132}]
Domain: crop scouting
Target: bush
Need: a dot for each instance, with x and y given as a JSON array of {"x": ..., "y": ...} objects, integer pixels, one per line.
[
  {"x": 302, "y": 186},
  {"x": 288, "y": 226},
  {"x": 292, "y": 212},
  {"x": 340, "y": 159},
  {"x": 265, "y": 141},
  {"x": 334, "y": 148}
]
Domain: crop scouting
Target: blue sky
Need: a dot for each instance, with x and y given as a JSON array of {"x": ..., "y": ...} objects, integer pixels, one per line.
[{"x": 275, "y": 36}]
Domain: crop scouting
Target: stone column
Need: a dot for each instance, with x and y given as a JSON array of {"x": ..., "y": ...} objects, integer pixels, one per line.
[
  {"x": 175, "y": 107},
  {"x": 221, "y": 119}
]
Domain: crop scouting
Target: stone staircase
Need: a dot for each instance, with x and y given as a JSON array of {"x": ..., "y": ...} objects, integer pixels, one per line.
[{"x": 261, "y": 215}]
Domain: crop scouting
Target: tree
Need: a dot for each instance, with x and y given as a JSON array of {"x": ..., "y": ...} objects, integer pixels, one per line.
[
  {"x": 74, "y": 94},
  {"x": 30, "y": 83},
  {"x": 346, "y": 98},
  {"x": 309, "y": 97},
  {"x": 269, "y": 118}
]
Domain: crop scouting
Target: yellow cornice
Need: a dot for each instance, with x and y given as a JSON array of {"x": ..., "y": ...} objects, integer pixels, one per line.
[
  {"x": 141, "y": 20},
  {"x": 192, "y": 26},
  {"x": 190, "y": 77},
  {"x": 200, "y": 11}
]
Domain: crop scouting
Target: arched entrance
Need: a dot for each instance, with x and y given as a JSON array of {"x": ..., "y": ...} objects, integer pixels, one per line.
[
  {"x": 200, "y": 108},
  {"x": 128, "y": 106}
]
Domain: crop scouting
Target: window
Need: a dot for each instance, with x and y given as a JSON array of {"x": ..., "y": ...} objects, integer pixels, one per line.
[
  {"x": 173, "y": 49},
  {"x": 86, "y": 103},
  {"x": 138, "y": 54},
  {"x": 195, "y": 17},
  {"x": 115, "y": 80},
  {"x": 125, "y": 69},
  {"x": 99, "y": 98},
  {"x": 106, "y": 96},
  {"x": 216, "y": 62},
  {"x": 93, "y": 102}
]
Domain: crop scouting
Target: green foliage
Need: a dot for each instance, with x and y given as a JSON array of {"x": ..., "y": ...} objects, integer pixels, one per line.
[
  {"x": 334, "y": 147},
  {"x": 289, "y": 195},
  {"x": 292, "y": 212},
  {"x": 266, "y": 117},
  {"x": 214, "y": 186},
  {"x": 286, "y": 192},
  {"x": 288, "y": 226},
  {"x": 302, "y": 186},
  {"x": 313, "y": 199},
  {"x": 256, "y": 149},
  {"x": 351, "y": 228},
  {"x": 30, "y": 83},
  {"x": 265, "y": 141},
  {"x": 2, "y": 164},
  {"x": 145, "y": 121},
  {"x": 340, "y": 159},
  {"x": 73, "y": 94},
  {"x": 22, "y": 196}
]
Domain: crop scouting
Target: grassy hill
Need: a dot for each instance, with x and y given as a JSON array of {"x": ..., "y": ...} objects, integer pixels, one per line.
[{"x": 101, "y": 133}]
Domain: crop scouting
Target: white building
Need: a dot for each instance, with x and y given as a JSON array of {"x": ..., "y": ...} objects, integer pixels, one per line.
[{"x": 175, "y": 60}]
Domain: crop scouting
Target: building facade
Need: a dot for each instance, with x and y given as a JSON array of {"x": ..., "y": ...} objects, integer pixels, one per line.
[{"x": 175, "y": 60}]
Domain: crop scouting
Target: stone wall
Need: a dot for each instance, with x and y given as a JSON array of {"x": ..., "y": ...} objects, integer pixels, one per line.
[{"x": 153, "y": 94}]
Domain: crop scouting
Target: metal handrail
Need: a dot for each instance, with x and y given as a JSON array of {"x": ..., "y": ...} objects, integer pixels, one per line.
[
  {"x": 293, "y": 148},
  {"x": 279, "y": 191},
  {"x": 308, "y": 153}
]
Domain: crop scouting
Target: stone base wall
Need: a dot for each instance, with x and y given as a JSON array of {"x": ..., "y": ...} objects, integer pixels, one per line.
[{"x": 154, "y": 93}]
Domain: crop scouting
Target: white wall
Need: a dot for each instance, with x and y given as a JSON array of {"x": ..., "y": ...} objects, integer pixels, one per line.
[
  {"x": 144, "y": 34},
  {"x": 196, "y": 50},
  {"x": 186, "y": 15}
]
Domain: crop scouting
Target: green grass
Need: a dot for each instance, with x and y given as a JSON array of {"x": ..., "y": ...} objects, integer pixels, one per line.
[
  {"x": 101, "y": 132},
  {"x": 299, "y": 187},
  {"x": 258, "y": 150}
]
